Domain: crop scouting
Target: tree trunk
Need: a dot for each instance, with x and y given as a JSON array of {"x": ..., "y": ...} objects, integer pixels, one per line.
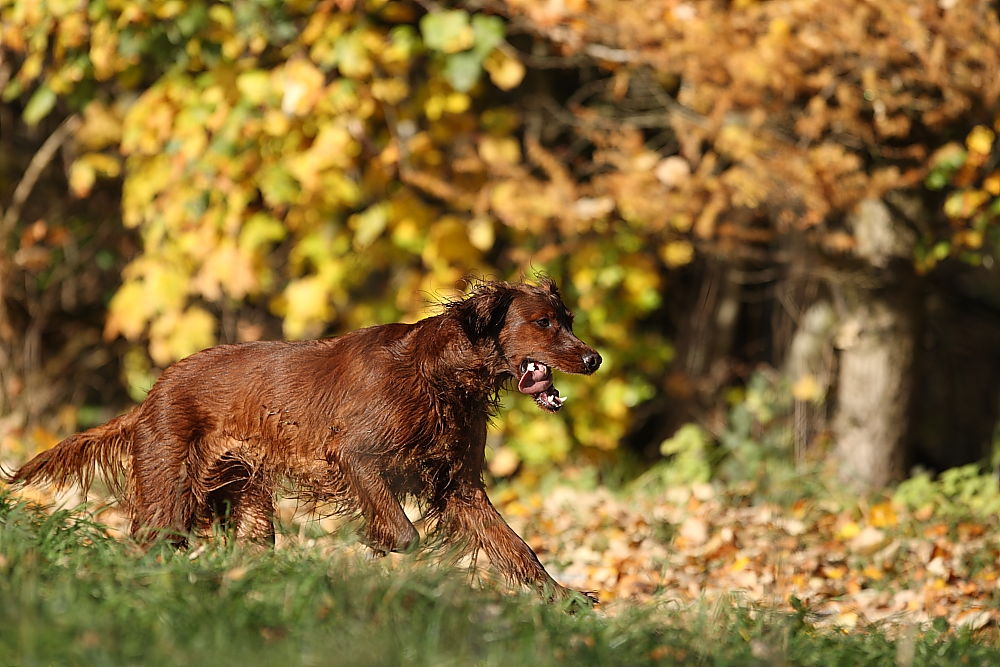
[
  {"x": 875, "y": 386},
  {"x": 878, "y": 328}
]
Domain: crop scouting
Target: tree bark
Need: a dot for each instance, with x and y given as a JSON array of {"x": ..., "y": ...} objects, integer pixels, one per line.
[
  {"x": 875, "y": 386},
  {"x": 878, "y": 330}
]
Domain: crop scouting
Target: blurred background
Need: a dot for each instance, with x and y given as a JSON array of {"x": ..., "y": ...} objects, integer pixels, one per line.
[{"x": 777, "y": 220}]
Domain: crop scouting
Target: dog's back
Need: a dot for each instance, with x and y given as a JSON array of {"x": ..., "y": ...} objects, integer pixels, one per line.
[{"x": 357, "y": 421}]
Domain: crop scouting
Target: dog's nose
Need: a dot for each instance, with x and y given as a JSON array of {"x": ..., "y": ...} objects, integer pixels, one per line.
[{"x": 592, "y": 361}]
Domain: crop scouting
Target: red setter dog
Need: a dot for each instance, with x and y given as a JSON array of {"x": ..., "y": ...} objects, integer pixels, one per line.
[{"x": 359, "y": 421}]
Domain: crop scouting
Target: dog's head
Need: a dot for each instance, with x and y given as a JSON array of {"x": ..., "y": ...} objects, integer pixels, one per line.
[{"x": 534, "y": 333}]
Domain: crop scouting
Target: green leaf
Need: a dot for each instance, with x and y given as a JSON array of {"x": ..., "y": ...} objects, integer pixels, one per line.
[
  {"x": 353, "y": 59},
  {"x": 260, "y": 230},
  {"x": 369, "y": 224},
  {"x": 448, "y": 31},
  {"x": 462, "y": 70},
  {"x": 193, "y": 20},
  {"x": 254, "y": 86},
  {"x": 39, "y": 106},
  {"x": 278, "y": 185},
  {"x": 489, "y": 33},
  {"x": 12, "y": 91}
]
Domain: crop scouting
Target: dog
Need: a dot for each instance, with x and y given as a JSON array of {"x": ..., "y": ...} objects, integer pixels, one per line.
[{"x": 359, "y": 422}]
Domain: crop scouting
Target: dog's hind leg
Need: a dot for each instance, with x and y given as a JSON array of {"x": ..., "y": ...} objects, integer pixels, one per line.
[
  {"x": 253, "y": 513},
  {"x": 160, "y": 500},
  {"x": 240, "y": 498}
]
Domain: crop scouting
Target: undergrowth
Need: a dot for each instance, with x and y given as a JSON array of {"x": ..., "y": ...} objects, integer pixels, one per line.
[{"x": 71, "y": 595}]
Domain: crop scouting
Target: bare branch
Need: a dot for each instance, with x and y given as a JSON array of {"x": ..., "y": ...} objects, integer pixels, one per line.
[{"x": 35, "y": 168}]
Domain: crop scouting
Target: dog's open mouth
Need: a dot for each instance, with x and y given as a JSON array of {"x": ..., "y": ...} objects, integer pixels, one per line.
[{"x": 536, "y": 380}]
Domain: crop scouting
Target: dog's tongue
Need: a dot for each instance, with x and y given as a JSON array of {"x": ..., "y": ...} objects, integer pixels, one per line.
[{"x": 535, "y": 379}]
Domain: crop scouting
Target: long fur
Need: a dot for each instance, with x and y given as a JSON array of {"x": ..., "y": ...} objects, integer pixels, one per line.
[
  {"x": 359, "y": 422},
  {"x": 103, "y": 451}
]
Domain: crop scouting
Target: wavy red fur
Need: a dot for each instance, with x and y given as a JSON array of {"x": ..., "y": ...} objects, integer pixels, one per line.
[{"x": 359, "y": 421}]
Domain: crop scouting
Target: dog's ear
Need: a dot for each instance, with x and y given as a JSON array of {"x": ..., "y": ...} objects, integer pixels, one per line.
[{"x": 482, "y": 313}]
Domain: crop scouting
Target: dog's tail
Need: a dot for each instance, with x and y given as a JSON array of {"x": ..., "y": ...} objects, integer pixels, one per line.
[{"x": 103, "y": 450}]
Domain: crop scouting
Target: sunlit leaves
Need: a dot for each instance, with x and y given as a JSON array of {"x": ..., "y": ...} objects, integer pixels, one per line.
[
  {"x": 447, "y": 31},
  {"x": 968, "y": 173},
  {"x": 179, "y": 334},
  {"x": 369, "y": 224},
  {"x": 980, "y": 140},
  {"x": 39, "y": 105},
  {"x": 466, "y": 44},
  {"x": 254, "y": 86},
  {"x": 84, "y": 171},
  {"x": 338, "y": 168},
  {"x": 505, "y": 70}
]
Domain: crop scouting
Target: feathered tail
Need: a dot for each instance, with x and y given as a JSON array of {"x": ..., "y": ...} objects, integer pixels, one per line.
[{"x": 103, "y": 450}]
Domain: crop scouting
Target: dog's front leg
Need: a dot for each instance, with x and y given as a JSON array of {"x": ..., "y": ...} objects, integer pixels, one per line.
[
  {"x": 387, "y": 527},
  {"x": 470, "y": 519}
]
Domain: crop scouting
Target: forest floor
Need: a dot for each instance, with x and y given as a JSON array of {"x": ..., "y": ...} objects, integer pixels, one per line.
[{"x": 850, "y": 565}]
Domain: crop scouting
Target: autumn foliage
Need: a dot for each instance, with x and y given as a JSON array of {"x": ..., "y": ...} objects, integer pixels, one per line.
[{"x": 327, "y": 165}]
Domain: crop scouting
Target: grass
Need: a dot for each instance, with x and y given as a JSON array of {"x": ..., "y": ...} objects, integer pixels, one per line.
[{"x": 70, "y": 595}]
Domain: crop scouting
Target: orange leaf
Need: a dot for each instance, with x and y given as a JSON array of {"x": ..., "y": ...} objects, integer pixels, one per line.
[{"x": 882, "y": 515}]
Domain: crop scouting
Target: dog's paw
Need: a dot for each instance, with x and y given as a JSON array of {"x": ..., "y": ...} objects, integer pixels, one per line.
[{"x": 574, "y": 601}]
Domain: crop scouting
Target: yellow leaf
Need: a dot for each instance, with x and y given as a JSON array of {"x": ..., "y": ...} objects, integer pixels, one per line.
[
  {"x": 391, "y": 91},
  {"x": 882, "y": 515},
  {"x": 176, "y": 335},
  {"x": 333, "y": 147},
  {"x": 807, "y": 388},
  {"x": 505, "y": 70},
  {"x": 677, "y": 253},
  {"x": 276, "y": 123},
  {"x": 260, "y": 230},
  {"x": 128, "y": 312},
  {"x": 353, "y": 59},
  {"x": 448, "y": 243},
  {"x": 369, "y": 224},
  {"x": 499, "y": 150},
  {"x": 457, "y": 102},
  {"x": 81, "y": 178},
  {"x": 992, "y": 183},
  {"x": 226, "y": 269},
  {"x": 101, "y": 127},
  {"x": 306, "y": 306},
  {"x": 980, "y": 140},
  {"x": 848, "y": 619},
  {"x": 481, "y": 233},
  {"x": 103, "y": 49},
  {"x": 970, "y": 238},
  {"x": 848, "y": 530},
  {"x": 169, "y": 9},
  {"x": 254, "y": 86},
  {"x": 301, "y": 84},
  {"x": 222, "y": 15},
  {"x": 778, "y": 29},
  {"x": 739, "y": 564}
]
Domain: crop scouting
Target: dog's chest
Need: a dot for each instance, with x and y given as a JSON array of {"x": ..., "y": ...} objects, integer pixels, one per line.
[{"x": 453, "y": 453}]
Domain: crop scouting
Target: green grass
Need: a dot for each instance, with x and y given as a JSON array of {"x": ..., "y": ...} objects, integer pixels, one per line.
[{"x": 69, "y": 595}]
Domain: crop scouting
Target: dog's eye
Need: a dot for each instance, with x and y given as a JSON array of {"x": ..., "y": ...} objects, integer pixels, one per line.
[{"x": 543, "y": 322}]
